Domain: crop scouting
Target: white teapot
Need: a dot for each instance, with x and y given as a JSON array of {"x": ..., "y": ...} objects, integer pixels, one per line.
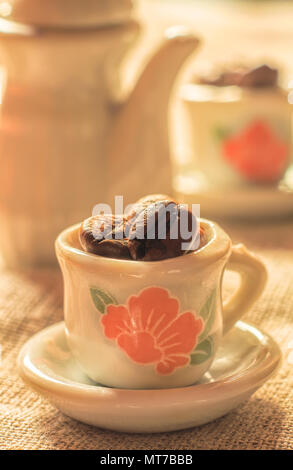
[{"x": 67, "y": 141}]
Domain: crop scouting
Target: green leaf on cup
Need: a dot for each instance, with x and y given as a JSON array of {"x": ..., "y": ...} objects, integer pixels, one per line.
[
  {"x": 207, "y": 313},
  {"x": 202, "y": 352},
  {"x": 221, "y": 133},
  {"x": 101, "y": 299}
]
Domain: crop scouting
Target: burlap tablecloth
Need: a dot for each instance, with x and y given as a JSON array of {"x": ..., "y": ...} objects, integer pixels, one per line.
[{"x": 31, "y": 301}]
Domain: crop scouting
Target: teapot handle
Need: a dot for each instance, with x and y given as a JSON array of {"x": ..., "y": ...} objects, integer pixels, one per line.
[{"x": 253, "y": 276}]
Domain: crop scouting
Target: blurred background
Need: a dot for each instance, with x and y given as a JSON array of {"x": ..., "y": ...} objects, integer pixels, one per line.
[
  {"x": 233, "y": 33},
  {"x": 98, "y": 99}
]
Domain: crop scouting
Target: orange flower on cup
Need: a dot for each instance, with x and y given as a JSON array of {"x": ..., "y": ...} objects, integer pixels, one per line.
[
  {"x": 257, "y": 153},
  {"x": 150, "y": 329}
]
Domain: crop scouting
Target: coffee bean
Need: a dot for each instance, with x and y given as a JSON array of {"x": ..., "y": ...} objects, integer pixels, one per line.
[
  {"x": 104, "y": 235},
  {"x": 155, "y": 233},
  {"x": 260, "y": 77},
  {"x": 113, "y": 249}
]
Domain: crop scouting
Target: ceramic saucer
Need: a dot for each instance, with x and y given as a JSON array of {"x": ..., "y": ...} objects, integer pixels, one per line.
[
  {"x": 249, "y": 202},
  {"x": 245, "y": 360}
]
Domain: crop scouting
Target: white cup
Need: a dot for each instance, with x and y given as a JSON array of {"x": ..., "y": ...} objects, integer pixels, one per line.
[
  {"x": 238, "y": 136},
  {"x": 136, "y": 324}
]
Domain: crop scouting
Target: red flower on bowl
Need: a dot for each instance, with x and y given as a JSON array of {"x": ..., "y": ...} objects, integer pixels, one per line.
[
  {"x": 150, "y": 329},
  {"x": 257, "y": 153}
]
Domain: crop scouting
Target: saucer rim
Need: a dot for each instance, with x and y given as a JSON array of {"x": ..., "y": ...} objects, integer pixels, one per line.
[
  {"x": 211, "y": 198},
  {"x": 248, "y": 379}
]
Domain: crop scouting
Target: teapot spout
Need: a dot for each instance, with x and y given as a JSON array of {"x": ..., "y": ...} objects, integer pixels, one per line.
[{"x": 139, "y": 154}]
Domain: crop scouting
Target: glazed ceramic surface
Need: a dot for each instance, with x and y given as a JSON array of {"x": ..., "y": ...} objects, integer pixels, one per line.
[
  {"x": 239, "y": 136},
  {"x": 242, "y": 202},
  {"x": 64, "y": 13},
  {"x": 69, "y": 137},
  {"x": 135, "y": 324},
  {"x": 244, "y": 361}
]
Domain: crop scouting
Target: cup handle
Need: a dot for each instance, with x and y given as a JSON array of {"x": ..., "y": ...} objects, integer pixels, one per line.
[{"x": 253, "y": 276}]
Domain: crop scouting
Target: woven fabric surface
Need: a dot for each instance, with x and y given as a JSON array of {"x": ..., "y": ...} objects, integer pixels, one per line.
[{"x": 30, "y": 301}]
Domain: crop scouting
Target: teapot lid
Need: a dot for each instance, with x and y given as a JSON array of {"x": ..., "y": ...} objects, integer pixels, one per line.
[{"x": 67, "y": 13}]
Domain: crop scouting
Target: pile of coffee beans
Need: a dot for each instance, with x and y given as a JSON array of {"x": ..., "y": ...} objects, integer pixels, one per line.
[
  {"x": 262, "y": 76},
  {"x": 150, "y": 231}
]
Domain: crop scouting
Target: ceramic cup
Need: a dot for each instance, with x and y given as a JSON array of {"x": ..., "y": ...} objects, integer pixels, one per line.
[
  {"x": 238, "y": 136},
  {"x": 135, "y": 324}
]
